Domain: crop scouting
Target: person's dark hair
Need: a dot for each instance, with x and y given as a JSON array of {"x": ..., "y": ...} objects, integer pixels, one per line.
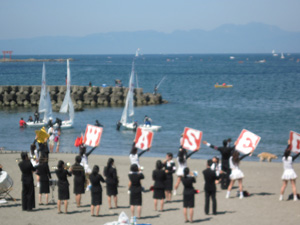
[
  {"x": 21, "y": 118},
  {"x": 134, "y": 168},
  {"x": 24, "y": 156},
  {"x": 182, "y": 155},
  {"x": 95, "y": 170},
  {"x": 134, "y": 150},
  {"x": 186, "y": 171},
  {"x": 32, "y": 148},
  {"x": 82, "y": 150},
  {"x": 209, "y": 162},
  {"x": 110, "y": 162},
  {"x": 78, "y": 159},
  {"x": 170, "y": 154},
  {"x": 159, "y": 165},
  {"x": 225, "y": 143},
  {"x": 235, "y": 158},
  {"x": 60, "y": 165},
  {"x": 287, "y": 153}
]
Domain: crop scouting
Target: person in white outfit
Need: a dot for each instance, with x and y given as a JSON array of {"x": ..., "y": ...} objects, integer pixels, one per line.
[
  {"x": 288, "y": 172},
  {"x": 134, "y": 155},
  {"x": 236, "y": 173}
]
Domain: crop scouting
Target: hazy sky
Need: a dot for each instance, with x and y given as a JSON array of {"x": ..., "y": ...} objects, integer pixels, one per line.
[{"x": 34, "y": 18}]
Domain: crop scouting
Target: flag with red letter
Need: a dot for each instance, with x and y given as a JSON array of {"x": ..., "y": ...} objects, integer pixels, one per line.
[
  {"x": 247, "y": 142},
  {"x": 191, "y": 139},
  {"x": 295, "y": 141},
  {"x": 143, "y": 138},
  {"x": 92, "y": 135}
]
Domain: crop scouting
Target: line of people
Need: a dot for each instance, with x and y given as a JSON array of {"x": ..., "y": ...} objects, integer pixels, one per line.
[{"x": 226, "y": 172}]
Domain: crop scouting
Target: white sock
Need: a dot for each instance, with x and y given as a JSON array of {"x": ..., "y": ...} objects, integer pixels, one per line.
[
  {"x": 295, "y": 198},
  {"x": 241, "y": 195},
  {"x": 280, "y": 197},
  {"x": 228, "y": 194}
]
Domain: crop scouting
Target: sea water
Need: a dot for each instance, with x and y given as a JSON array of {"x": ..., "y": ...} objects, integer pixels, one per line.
[{"x": 265, "y": 99}]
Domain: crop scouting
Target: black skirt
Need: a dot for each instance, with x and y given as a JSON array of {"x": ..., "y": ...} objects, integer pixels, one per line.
[
  {"x": 189, "y": 201},
  {"x": 169, "y": 183},
  {"x": 96, "y": 198},
  {"x": 79, "y": 187},
  {"x": 44, "y": 187},
  {"x": 159, "y": 193},
  {"x": 136, "y": 198},
  {"x": 63, "y": 191},
  {"x": 111, "y": 189}
]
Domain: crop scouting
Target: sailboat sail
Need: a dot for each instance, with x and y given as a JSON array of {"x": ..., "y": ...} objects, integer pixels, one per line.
[
  {"x": 129, "y": 104},
  {"x": 45, "y": 101},
  {"x": 67, "y": 103}
]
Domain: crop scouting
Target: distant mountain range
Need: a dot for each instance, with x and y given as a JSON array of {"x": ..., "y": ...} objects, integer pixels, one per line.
[{"x": 249, "y": 38}]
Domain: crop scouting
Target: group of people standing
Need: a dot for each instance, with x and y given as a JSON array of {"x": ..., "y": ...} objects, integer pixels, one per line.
[{"x": 225, "y": 171}]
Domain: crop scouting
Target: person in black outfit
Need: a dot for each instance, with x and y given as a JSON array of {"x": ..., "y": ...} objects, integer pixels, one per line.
[
  {"x": 44, "y": 174},
  {"x": 98, "y": 124},
  {"x": 36, "y": 116},
  {"x": 96, "y": 190},
  {"x": 135, "y": 189},
  {"x": 188, "y": 194},
  {"x": 226, "y": 152},
  {"x": 210, "y": 179},
  {"x": 170, "y": 168},
  {"x": 50, "y": 123},
  {"x": 58, "y": 122},
  {"x": 79, "y": 179},
  {"x": 63, "y": 185},
  {"x": 28, "y": 197},
  {"x": 111, "y": 182},
  {"x": 159, "y": 176}
]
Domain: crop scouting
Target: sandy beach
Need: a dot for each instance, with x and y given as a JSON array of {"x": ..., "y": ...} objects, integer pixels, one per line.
[{"x": 262, "y": 180}]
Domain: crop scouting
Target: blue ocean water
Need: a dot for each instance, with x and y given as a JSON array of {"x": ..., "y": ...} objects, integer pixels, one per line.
[{"x": 265, "y": 99}]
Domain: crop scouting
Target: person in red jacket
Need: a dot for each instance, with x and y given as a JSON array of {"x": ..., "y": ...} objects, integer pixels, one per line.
[{"x": 22, "y": 123}]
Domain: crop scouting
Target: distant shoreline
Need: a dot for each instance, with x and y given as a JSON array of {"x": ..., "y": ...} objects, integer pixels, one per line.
[{"x": 34, "y": 60}]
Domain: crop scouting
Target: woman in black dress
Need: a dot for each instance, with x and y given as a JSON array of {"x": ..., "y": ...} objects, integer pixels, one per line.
[
  {"x": 159, "y": 176},
  {"x": 96, "y": 190},
  {"x": 170, "y": 168},
  {"x": 188, "y": 194},
  {"x": 44, "y": 174},
  {"x": 79, "y": 179},
  {"x": 63, "y": 185},
  {"x": 135, "y": 189},
  {"x": 111, "y": 182},
  {"x": 28, "y": 200}
]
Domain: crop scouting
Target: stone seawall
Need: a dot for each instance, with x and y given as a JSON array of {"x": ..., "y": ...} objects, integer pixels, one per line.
[{"x": 29, "y": 96}]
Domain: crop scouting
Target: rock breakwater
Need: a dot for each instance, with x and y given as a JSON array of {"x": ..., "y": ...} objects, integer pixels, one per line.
[{"x": 29, "y": 96}]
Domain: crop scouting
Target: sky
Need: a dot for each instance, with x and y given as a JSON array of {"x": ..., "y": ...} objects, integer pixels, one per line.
[{"x": 36, "y": 18}]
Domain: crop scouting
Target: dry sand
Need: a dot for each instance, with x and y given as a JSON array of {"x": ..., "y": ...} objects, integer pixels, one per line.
[{"x": 262, "y": 180}]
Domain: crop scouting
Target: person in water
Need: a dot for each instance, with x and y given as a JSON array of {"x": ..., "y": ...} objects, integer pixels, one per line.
[
  {"x": 22, "y": 123},
  {"x": 98, "y": 124}
]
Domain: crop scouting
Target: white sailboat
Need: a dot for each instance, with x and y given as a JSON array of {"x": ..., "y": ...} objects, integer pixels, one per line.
[
  {"x": 282, "y": 56},
  {"x": 273, "y": 53},
  {"x": 129, "y": 104},
  {"x": 67, "y": 104},
  {"x": 45, "y": 103}
]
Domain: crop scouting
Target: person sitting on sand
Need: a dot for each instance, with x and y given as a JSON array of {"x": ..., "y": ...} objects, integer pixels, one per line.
[{"x": 288, "y": 173}]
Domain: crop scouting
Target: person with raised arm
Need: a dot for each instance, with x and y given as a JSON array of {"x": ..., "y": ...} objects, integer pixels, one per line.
[
  {"x": 288, "y": 173},
  {"x": 226, "y": 153},
  {"x": 236, "y": 173},
  {"x": 134, "y": 155}
]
